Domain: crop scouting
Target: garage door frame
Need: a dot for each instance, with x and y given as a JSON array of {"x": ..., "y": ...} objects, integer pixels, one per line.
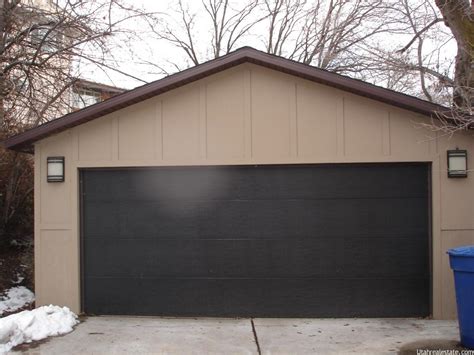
[{"x": 427, "y": 164}]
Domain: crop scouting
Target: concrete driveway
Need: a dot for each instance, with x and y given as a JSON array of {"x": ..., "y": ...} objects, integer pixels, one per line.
[{"x": 153, "y": 335}]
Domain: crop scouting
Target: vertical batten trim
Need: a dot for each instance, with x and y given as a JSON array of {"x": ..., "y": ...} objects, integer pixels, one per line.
[
  {"x": 75, "y": 146},
  {"x": 202, "y": 139},
  {"x": 153, "y": 132},
  {"x": 438, "y": 304},
  {"x": 75, "y": 228},
  {"x": 248, "y": 113},
  {"x": 386, "y": 149},
  {"x": 162, "y": 131},
  {"x": 158, "y": 135},
  {"x": 340, "y": 127},
  {"x": 75, "y": 283},
  {"x": 297, "y": 122},
  {"x": 436, "y": 143},
  {"x": 37, "y": 222},
  {"x": 115, "y": 129},
  {"x": 293, "y": 116}
]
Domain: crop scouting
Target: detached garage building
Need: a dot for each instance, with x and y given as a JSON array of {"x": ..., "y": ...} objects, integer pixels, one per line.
[{"x": 250, "y": 185}]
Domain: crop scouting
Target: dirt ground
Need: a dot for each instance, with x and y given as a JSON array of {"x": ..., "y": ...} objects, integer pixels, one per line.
[{"x": 16, "y": 268}]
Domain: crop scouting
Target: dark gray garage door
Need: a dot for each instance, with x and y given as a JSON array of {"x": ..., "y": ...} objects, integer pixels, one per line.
[{"x": 279, "y": 241}]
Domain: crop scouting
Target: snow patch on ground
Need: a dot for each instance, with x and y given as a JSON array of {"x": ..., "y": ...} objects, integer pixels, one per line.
[
  {"x": 19, "y": 279},
  {"x": 37, "y": 324},
  {"x": 15, "y": 298}
]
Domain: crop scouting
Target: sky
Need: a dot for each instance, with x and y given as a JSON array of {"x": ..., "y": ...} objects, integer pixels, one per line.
[{"x": 134, "y": 56}]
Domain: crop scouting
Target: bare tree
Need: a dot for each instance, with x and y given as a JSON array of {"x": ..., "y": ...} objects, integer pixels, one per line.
[
  {"x": 399, "y": 44},
  {"x": 458, "y": 15},
  {"x": 41, "y": 46},
  {"x": 442, "y": 79},
  {"x": 417, "y": 56},
  {"x": 330, "y": 34},
  {"x": 427, "y": 22},
  {"x": 285, "y": 19},
  {"x": 225, "y": 26},
  {"x": 228, "y": 24}
]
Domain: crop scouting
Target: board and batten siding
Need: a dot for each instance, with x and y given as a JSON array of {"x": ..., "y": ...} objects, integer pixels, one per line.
[{"x": 245, "y": 115}]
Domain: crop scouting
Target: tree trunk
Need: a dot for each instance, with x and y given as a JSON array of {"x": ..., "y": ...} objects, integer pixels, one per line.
[{"x": 459, "y": 17}]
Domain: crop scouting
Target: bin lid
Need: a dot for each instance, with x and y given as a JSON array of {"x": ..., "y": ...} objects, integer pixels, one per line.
[{"x": 467, "y": 250}]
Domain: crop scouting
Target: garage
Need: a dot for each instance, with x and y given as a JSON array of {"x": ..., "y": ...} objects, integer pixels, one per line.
[
  {"x": 250, "y": 186},
  {"x": 257, "y": 241}
]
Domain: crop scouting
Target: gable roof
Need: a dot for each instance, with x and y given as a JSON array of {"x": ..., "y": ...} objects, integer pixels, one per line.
[{"x": 24, "y": 141}]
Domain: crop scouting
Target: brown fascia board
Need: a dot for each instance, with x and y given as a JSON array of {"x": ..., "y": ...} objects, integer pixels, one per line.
[{"x": 23, "y": 141}]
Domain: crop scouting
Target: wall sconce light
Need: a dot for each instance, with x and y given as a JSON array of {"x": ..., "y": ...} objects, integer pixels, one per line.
[
  {"x": 55, "y": 169},
  {"x": 457, "y": 163}
]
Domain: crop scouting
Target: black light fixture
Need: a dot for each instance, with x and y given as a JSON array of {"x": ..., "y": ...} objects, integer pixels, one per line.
[
  {"x": 55, "y": 169},
  {"x": 457, "y": 163}
]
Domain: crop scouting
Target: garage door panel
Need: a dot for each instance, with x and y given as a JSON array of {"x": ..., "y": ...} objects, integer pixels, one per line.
[
  {"x": 101, "y": 218},
  {"x": 329, "y": 182},
  {"x": 261, "y": 298},
  {"x": 256, "y": 218},
  {"x": 97, "y": 186},
  {"x": 211, "y": 258},
  {"x": 315, "y": 240},
  {"x": 407, "y": 256},
  {"x": 248, "y": 182},
  {"x": 348, "y": 258}
]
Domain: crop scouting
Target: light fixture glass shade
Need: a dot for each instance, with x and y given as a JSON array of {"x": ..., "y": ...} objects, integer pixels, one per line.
[
  {"x": 55, "y": 169},
  {"x": 457, "y": 163}
]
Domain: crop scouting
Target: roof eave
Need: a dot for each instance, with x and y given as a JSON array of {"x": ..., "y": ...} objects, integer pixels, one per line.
[{"x": 24, "y": 141}]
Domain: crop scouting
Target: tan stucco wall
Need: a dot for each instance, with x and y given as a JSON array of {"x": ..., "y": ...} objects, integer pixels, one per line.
[{"x": 245, "y": 115}]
